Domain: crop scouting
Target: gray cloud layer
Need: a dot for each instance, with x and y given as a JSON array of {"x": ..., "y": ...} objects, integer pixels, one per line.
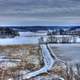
[{"x": 40, "y": 10}]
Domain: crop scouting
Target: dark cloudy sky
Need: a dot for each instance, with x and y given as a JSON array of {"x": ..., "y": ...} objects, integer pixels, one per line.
[{"x": 39, "y": 12}]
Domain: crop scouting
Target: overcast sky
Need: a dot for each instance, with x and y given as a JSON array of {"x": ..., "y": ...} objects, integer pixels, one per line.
[{"x": 39, "y": 12}]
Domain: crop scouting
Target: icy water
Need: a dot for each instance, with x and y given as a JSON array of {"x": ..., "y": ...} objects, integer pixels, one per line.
[{"x": 68, "y": 52}]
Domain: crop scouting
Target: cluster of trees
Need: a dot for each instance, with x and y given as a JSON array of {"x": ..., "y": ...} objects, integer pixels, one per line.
[{"x": 7, "y": 32}]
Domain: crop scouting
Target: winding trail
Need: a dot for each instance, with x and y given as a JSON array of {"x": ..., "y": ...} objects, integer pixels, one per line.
[{"x": 48, "y": 63}]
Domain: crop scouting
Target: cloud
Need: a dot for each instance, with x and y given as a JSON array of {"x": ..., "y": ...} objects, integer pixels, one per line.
[{"x": 40, "y": 10}]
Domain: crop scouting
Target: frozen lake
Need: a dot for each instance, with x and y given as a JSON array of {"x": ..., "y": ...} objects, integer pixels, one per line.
[
  {"x": 67, "y": 52},
  {"x": 19, "y": 40}
]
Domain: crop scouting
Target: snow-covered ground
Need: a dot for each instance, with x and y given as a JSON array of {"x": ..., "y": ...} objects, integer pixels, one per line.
[
  {"x": 78, "y": 39},
  {"x": 19, "y": 40}
]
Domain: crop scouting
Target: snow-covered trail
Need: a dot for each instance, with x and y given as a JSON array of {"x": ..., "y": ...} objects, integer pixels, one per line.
[{"x": 48, "y": 63}]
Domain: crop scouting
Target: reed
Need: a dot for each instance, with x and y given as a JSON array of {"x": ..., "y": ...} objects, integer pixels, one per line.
[{"x": 72, "y": 72}]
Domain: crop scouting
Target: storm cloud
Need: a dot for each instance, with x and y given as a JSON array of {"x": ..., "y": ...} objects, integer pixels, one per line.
[{"x": 39, "y": 11}]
